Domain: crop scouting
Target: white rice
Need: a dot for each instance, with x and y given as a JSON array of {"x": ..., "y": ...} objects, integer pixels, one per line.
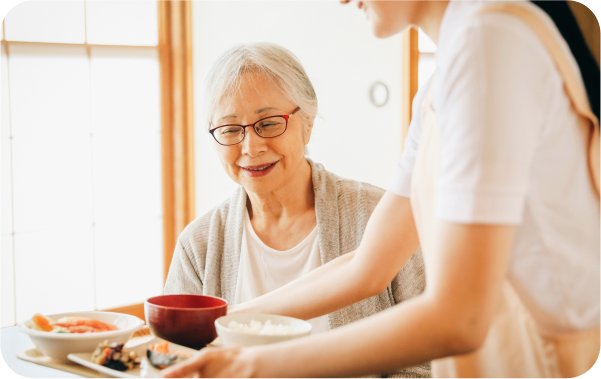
[{"x": 267, "y": 329}]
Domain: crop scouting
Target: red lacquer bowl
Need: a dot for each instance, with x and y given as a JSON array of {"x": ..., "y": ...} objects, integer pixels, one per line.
[{"x": 187, "y": 320}]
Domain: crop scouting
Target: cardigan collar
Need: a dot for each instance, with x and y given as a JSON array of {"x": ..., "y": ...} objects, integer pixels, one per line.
[{"x": 326, "y": 212}]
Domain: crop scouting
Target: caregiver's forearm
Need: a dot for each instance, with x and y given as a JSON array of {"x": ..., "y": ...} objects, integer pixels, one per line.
[
  {"x": 389, "y": 241},
  {"x": 451, "y": 317},
  {"x": 406, "y": 335}
]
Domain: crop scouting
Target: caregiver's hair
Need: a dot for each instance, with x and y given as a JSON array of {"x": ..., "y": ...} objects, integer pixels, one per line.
[
  {"x": 564, "y": 19},
  {"x": 270, "y": 60}
]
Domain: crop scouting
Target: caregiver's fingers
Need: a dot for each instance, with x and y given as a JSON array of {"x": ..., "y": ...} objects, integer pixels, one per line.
[
  {"x": 214, "y": 363},
  {"x": 359, "y": 3},
  {"x": 188, "y": 367}
]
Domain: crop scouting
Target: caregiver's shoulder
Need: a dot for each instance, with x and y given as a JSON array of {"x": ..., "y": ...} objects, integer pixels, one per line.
[{"x": 471, "y": 32}]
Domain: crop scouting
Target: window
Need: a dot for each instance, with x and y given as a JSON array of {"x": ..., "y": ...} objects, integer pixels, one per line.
[{"x": 82, "y": 200}]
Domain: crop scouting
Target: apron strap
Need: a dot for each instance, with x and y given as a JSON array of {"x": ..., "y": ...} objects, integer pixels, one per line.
[{"x": 574, "y": 88}]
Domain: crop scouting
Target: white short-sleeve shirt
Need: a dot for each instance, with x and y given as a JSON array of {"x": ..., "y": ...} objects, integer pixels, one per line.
[{"x": 511, "y": 153}]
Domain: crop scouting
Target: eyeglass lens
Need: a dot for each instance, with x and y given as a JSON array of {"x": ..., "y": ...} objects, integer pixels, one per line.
[{"x": 267, "y": 128}]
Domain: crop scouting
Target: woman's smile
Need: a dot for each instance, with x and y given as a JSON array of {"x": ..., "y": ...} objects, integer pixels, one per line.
[
  {"x": 258, "y": 170},
  {"x": 264, "y": 164}
]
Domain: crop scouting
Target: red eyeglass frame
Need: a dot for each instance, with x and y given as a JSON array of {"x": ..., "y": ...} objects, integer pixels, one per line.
[{"x": 286, "y": 117}]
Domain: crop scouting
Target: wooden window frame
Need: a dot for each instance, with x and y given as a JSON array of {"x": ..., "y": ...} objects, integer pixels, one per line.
[
  {"x": 409, "y": 78},
  {"x": 175, "y": 56}
]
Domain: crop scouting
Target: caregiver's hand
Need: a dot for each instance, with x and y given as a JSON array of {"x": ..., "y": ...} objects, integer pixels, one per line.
[{"x": 230, "y": 362}]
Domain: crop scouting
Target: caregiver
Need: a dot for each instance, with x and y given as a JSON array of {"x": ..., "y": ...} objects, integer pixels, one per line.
[{"x": 499, "y": 178}]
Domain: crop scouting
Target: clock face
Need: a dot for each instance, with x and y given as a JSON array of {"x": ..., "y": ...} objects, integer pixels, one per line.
[{"x": 378, "y": 94}]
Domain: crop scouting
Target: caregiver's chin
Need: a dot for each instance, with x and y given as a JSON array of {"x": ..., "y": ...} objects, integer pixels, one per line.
[{"x": 388, "y": 18}]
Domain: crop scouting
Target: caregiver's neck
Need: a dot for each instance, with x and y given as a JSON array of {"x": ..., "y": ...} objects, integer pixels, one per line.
[
  {"x": 292, "y": 200},
  {"x": 428, "y": 16}
]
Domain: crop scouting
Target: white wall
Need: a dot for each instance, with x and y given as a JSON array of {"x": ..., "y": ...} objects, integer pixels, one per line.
[
  {"x": 427, "y": 60},
  {"x": 352, "y": 138}
]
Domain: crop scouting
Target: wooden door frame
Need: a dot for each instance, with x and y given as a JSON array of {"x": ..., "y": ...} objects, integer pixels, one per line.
[{"x": 409, "y": 78}]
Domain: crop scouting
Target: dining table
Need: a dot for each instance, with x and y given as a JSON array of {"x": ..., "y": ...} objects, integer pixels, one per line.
[{"x": 13, "y": 342}]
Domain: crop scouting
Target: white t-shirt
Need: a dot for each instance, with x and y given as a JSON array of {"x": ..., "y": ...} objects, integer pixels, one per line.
[
  {"x": 511, "y": 153},
  {"x": 263, "y": 269}
]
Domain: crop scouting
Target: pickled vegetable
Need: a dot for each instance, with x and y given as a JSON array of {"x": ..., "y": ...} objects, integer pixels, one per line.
[{"x": 115, "y": 356}]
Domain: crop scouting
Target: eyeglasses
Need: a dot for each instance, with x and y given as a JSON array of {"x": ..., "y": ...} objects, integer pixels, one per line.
[{"x": 268, "y": 127}]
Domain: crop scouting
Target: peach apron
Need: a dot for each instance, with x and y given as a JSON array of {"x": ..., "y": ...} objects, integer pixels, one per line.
[{"x": 514, "y": 346}]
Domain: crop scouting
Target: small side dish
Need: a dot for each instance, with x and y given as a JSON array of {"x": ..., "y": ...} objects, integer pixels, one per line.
[
  {"x": 139, "y": 357},
  {"x": 114, "y": 356},
  {"x": 68, "y": 325}
]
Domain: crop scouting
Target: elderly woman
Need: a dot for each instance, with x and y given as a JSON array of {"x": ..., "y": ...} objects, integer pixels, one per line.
[{"x": 289, "y": 216}]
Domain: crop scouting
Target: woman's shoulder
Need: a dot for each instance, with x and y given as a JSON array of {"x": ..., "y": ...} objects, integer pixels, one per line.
[
  {"x": 214, "y": 220},
  {"x": 352, "y": 187},
  {"x": 345, "y": 188}
]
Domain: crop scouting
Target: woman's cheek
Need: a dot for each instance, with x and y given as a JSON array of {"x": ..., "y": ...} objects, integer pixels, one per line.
[{"x": 228, "y": 157}]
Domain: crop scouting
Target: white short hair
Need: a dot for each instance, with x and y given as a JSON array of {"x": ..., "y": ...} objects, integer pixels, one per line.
[{"x": 270, "y": 60}]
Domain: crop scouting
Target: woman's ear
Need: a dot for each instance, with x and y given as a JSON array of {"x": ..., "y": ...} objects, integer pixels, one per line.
[{"x": 307, "y": 132}]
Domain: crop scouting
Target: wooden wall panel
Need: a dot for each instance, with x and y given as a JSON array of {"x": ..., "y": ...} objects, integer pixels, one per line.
[{"x": 134, "y": 310}]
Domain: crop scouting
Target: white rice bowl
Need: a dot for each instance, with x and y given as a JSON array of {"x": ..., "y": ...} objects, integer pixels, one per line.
[
  {"x": 59, "y": 345},
  {"x": 250, "y": 329}
]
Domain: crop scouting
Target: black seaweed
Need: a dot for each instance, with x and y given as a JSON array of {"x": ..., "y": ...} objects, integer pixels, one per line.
[{"x": 161, "y": 360}]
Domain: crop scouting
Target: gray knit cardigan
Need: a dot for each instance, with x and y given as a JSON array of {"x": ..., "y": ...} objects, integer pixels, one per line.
[{"x": 207, "y": 255}]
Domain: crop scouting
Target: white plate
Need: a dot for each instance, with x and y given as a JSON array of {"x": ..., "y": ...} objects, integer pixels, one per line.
[{"x": 84, "y": 359}]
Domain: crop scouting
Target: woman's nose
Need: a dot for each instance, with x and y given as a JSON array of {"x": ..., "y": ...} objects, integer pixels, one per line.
[{"x": 253, "y": 145}]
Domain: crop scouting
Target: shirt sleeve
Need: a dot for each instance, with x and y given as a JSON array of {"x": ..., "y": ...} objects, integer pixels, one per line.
[
  {"x": 489, "y": 98},
  {"x": 401, "y": 181}
]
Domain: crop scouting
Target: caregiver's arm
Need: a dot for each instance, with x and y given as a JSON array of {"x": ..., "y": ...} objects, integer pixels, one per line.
[
  {"x": 389, "y": 240},
  {"x": 451, "y": 317}
]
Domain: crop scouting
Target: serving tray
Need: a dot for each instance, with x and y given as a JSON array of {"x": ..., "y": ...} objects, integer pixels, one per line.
[
  {"x": 33, "y": 355},
  {"x": 80, "y": 364}
]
